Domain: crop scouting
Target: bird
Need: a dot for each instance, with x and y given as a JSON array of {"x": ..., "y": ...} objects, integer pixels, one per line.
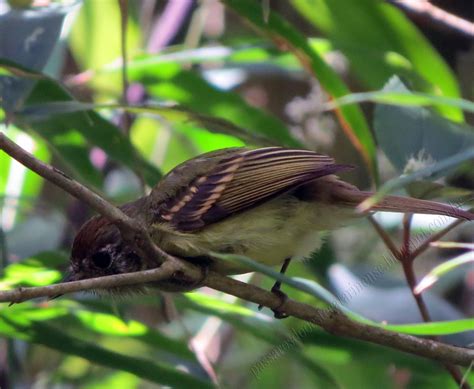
[{"x": 269, "y": 204}]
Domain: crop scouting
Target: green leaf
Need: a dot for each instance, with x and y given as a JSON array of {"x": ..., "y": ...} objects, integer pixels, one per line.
[
  {"x": 379, "y": 41},
  {"x": 71, "y": 133},
  {"x": 175, "y": 114},
  {"x": 413, "y": 132},
  {"x": 16, "y": 181},
  {"x": 403, "y": 98},
  {"x": 257, "y": 325},
  {"x": 14, "y": 324},
  {"x": 95, "y": 40},
  {"x": 433, "y": 328},
  {"x": 169, "y": 82},
  {"x": 434, "y": 274},
  {"x": 307, "y": 286},
  {"x": 284, "y": 34},
  {"x": 259, "y": 53}
]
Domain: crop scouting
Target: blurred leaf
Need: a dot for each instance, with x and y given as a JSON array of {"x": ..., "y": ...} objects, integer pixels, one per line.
[
  {"x": 16, "y": 181},
  {"x": 36, "y": 233},
  {"x": 174, "y": 114},
  {"x": 442, "y": 166},
  {"x": 114, "y": 380},
  {"x": 95, "y": 39},
  {"x": 34, "y": 271},
  {"x": 433, "y": 328},
  {"x": 34, "y": 38},
  {"x": 434, "y": 274},
  {"x": 285, "y": 35},
  {"x": 68, "y": 134},
  {"x": 257, "y": 325},
  {"x": 431, "y": 190},
  {"x": 308, "y": 286},
  {"x": 258, "y": 54},
  {"x": 110, "y": 325},
  {"x": 15, "y": 325},
  {"x": 379, "y": 40},
  {"x": 415, "y": 132},
  {"x": 169, "y": 82},
  {"x": 403, "y": 98},
  {"x": 362, "y": 354},
  {"x": 217, "y": 304}
]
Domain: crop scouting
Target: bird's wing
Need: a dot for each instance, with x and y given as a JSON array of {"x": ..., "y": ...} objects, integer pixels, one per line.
[{"x": 242, "y": 180}]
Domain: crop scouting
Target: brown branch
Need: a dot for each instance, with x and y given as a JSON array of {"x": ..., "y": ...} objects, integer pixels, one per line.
[
  {"x": 331, "y": 320},
  {"x": 437, "y": 15},
  {"x": 385, "y": 237},
  {"x": 426, "y": 244},
  {"x": 407, "y": 259}
]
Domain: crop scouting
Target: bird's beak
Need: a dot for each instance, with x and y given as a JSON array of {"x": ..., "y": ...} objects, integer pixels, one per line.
[{"x": 67, "y": 278}]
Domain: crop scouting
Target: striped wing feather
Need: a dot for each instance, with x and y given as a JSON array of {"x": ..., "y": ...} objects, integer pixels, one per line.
[{"x": 243, "y": 180}]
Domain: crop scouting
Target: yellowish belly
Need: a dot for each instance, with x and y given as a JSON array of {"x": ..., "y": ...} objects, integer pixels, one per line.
[{"x": 281, "y": 228}]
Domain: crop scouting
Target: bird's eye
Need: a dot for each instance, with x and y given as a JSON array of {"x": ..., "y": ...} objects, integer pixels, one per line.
[{"x": 101, "y": 259}]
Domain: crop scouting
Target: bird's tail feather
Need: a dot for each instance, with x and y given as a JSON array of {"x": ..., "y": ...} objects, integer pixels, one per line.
[{"x": 353, "y": 196}]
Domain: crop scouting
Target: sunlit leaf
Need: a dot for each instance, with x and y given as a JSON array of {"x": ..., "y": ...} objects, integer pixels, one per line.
[
  {"x": 379, "y": 41},
  {"x": 434, "y": 274},
  {"x": 433, "y": 328},
  {"x": 403, "y": 99},
  {"x": 83, "y": 126},
  {"x": 168, "y": 82},
  {"x": 16, "y": 325},
  {"x": 35, "y": 271}
]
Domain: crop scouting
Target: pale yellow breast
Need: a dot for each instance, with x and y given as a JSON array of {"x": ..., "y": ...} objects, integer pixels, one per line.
[{"x": 281, "y": 228}]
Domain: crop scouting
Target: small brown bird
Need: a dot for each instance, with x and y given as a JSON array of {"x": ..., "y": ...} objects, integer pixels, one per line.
[{"x": 269, "y": 204}]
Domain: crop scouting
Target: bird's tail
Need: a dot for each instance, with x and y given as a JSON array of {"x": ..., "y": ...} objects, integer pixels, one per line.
[{"x": 353, "y": 196}]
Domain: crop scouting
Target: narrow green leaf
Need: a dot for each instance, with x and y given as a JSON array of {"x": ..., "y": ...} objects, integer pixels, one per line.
[
  {"x": 257, "y": 325},
  {"x": 18, "y": 326},
  {"x": 174, "y": 114},
  {"x": 307, "y": 286},
  {"x": 434, "y": 274},
  {"x": 283, "y": 33},
  {"x": 87, "y": 125},
  {"x": 168, "y": 82},
  {"x": 379, "y": 41},
  {"x": 433, "y": 328},
  {"x": 72, "y": 133},
  {"x": 404, "y": 99}
]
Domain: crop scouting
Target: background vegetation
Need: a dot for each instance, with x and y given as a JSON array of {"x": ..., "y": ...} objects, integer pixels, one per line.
[{"x": 206, "y": 75}]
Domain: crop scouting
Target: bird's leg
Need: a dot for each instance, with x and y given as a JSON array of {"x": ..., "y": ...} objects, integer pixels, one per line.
[{"x": 278, "y": 313}]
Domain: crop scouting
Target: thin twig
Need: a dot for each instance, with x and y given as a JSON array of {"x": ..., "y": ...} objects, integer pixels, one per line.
[
  {"x": 426, "y": 244},
  {"x": 440, "y": 16},
  {"x": 385, "y": 237},
  {"x": 407, "y": 259},
  {"x": 407, "y": 219},
  {"x": 331, "y": 320}
]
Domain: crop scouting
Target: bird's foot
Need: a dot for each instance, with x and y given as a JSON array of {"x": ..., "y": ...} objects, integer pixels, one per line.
[{"x": 278, "y": 312}]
